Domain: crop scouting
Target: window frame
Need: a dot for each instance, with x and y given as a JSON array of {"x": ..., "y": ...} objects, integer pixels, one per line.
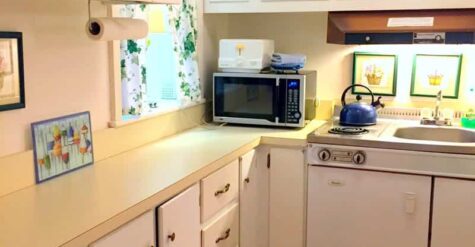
[{"x": 116, "y": 85}]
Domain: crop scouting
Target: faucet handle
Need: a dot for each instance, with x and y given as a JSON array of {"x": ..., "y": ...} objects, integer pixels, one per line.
[{"x": 379, "y": 103}]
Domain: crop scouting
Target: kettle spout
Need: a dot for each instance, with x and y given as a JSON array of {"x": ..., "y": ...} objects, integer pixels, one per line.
[{"x": 378, "y": 104}]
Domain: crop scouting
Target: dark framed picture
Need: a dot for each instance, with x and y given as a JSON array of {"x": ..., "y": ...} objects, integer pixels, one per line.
[
  {"x": 433, "y": 73},
  {"x": 62, "y": 145},
  {"x": 12, "y": 80},
  {"x": 376, "y": 71}
]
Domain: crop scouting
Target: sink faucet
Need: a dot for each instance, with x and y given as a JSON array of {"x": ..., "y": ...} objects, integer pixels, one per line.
[
  {"x": 437, "y": 120},
  {"x": 437, "y": 105}
]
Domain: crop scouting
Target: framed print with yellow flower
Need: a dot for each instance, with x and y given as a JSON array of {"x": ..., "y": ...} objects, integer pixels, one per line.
[
  {"x": 376, "y": 71},
  {"x": 432, "y": 73}
]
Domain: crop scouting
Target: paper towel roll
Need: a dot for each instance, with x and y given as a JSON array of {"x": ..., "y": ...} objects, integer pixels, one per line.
[{"x": 107, "y": 28}]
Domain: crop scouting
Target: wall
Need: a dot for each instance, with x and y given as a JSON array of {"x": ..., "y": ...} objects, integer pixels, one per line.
[
  {"x": 306, "y": 33},
  {"x": 66, "y": 73}
]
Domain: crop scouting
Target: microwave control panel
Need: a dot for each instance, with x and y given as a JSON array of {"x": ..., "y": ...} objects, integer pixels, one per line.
[{"x": 293, "y": 101}]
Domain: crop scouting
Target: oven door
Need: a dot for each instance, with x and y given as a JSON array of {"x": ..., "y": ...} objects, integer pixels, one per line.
[{"x": 248, "y": 100}]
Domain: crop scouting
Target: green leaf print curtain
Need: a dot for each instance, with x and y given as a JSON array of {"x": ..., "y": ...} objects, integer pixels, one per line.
[
  {"x": 182, "y": 23},
  {"x": 133, "y": 67}
]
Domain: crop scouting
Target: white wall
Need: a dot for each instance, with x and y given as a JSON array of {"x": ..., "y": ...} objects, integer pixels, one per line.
[{"x": 65, "y": 72}]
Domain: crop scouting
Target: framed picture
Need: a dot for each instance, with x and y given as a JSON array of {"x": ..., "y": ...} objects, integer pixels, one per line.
[
  {"x": 62, "y": 145},
  {"x": 432, "y": 73},
  {"x": 376, "y": 71},
  {"x": 12, "y": 89}
]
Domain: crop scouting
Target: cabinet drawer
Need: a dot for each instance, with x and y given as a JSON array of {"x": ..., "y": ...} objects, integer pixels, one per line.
[
  {"x": 224, "y": 231},
  {"x": 219, "y": 189},
  {"x": 138, "y": 233},
  {"x": 179, "y": 220}
]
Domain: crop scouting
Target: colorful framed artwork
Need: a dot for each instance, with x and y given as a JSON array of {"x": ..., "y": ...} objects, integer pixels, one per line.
[
  {"x": 432, "y": 73},
  {"x": 62, "y": 145},
  {"x": 12, "y": 89},
  {"x": 376, "y": 71}
]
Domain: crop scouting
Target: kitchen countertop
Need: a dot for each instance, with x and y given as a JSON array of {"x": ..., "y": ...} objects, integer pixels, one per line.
[
  {"x": 382, "y": 136},
  {"x": 78, "y": 208}
]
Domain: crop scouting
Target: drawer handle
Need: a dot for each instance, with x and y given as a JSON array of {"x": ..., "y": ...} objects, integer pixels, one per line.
[
  {"x": 172, "y": 237},
  {"x": 226, "y": 189},
  {"x": 247, "y": 180},
  {"x": 226, "y": 236},
  {"x": 410, "y": 202}
]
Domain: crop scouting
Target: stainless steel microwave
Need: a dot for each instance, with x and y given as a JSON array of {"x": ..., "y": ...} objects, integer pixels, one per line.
[{"x": 264, "y": 99}]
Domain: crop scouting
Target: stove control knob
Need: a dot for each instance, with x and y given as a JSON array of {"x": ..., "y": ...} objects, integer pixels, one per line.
[
  {"x": 359, "y": 158},
  {"x": 324, "y": 155}
]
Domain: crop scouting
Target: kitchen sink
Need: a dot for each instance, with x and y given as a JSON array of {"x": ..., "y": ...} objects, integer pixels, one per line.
[{"x": 440, "y": 134}]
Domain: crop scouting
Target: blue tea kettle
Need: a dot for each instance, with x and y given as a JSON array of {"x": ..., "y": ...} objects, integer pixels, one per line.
[{"x": 359, "y": 113}]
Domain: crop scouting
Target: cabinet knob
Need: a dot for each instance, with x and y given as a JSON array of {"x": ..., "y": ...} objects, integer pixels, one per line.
[
  {"x": 247, "y": 180},
  {"x": 226, "y": 236},
  {"x": 171, "y": 237},
  {"x": 224, "y": 190}
]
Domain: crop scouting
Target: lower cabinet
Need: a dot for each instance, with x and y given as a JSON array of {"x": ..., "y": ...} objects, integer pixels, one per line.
[
  {"x": 139, "y": 232},
  {"x": 179, "y": 220},
  {"x": 367, "y": 209},
  {"x": 224, "y": 230},
  {"x": 272, "y": 198},
  {"x": 287, "y": 198},
  {"x": 453, "y": 220},
  {"x": 254, "y": 198}
]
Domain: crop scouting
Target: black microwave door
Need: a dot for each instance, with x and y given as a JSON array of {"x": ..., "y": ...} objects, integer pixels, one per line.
[{"x": 241, "y": 97}]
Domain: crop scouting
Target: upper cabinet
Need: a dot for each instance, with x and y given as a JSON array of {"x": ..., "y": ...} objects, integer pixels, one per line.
[{"x": 274, "y": 6}]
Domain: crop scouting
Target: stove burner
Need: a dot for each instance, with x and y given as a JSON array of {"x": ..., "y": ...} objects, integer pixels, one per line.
[{"x": 348, "y": 131}]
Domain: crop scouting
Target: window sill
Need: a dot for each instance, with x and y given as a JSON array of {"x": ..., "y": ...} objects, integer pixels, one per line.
[{"x": 158, "y": 113}]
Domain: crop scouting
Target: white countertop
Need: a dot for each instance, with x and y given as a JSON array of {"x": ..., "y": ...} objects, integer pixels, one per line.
[{"x": 76, "y": 209}]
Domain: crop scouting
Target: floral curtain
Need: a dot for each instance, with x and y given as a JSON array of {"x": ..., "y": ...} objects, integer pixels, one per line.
[
  {"x": 133, "y": 68},
  {"x": 183, "y": 24}
]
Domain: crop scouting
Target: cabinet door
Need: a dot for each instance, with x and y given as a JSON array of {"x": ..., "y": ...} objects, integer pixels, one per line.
[
  {"x": 287, "y": 198},
  {"x": 179, "y": 220},
  {"x": 254, "y": 199},
  {"x": 453, "y": 222},
  {"x": 367, "y": 209},
  {"x": 140, "y": 232}
]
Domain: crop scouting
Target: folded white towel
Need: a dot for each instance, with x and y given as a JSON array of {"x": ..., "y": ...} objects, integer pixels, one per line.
[{"x": 281, "y": 58}]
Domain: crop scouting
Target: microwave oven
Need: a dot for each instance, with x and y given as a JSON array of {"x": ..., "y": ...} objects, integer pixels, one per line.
[{"x": 285, "y": 100}]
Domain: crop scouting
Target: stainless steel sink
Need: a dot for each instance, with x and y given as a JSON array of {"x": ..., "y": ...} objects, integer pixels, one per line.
[{"x": 436, "y": 134}]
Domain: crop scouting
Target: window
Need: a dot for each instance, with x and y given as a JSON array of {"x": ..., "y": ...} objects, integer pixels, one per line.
[{"x": 160, "y": 73}]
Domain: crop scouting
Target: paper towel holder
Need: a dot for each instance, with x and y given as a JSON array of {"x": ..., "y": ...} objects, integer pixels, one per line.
[{"x": 93, "y": 28}]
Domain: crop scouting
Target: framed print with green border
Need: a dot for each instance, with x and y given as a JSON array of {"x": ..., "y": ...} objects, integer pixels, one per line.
[
  {"x": 377, "y": 71},
  {"x": 432, "y": 73}
]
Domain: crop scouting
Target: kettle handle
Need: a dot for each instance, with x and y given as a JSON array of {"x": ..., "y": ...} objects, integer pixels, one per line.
[{"x": 343, "y": 96}]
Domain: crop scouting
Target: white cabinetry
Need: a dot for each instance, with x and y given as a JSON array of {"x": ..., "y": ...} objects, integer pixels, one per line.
[
  {"x": 263, "y": 6},
  {"x": 287, "y": 198},
  {"x": 367, "y": 209},
  {"x": 224, "y": 230},
  {"x": 179, "y": 220},
  {"x": 139, "y": 232},
  {"x": 220, "y": 207},
  {"x": 219, "y": 189},
  {"x": 254, "y": 198},
  {"x": 453, "y": 222}
]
